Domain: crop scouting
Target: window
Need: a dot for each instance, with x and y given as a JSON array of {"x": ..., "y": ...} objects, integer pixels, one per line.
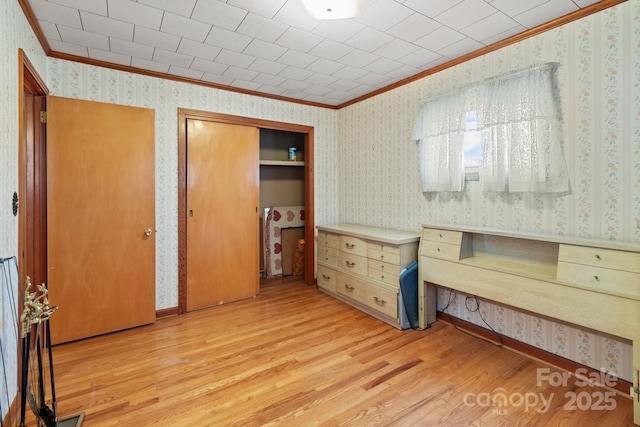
[{"x": 507, "y": 128}]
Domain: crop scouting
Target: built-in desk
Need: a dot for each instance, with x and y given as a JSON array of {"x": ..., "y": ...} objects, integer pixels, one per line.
[{"x": 590, "y": 283}]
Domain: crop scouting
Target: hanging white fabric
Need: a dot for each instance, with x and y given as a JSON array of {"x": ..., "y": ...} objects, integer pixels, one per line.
[
  {"x": 439, "y": 130},
  {"x": 520, "y": 128},
  {"x": 518, "y": 117}
]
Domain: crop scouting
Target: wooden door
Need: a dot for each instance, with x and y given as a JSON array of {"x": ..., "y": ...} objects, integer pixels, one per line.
[
  {"x": 100, "y": 201},
  {"x": 222, "y": 213}
]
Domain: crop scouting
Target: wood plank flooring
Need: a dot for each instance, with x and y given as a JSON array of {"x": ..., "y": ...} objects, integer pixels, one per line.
[{"x": 295, "y": 356}]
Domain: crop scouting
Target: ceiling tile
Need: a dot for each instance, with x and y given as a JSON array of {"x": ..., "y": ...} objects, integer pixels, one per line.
[
  {"x": 220, "y": 14},
  {"x": 516, "y": 7},
  {"x": 297, "y": 39},
  {"x": 267, "y": 8},
  {"x": 505, "y": 34},
  {"x": 317, "y": 90},
  {"x": 466, "y": 13},
  {"x": 432, "y": 8},
  {"x": 72, "y": 49},
  {"x": 149, "y": 65},
  {"x": 294, "y": 85},
  {"x": 228, "y": 39},
  {"x": 172, "y": 58},
  {"x": 369, "y": 39},
  {"x": 339, "y": 30},
  {"x": 420, "y": 58},
  {"x": 297, "y": 59},
  {"x": 331, "y": 50},
  {"x": 324, "y": 66},
  {"x": 350, "y": 73},
  {"x": 271, "y": 89},
  {"x": 50, "y": 30},
  {"x": 135, "y": 13},
  {"x": 545, "y": 12},
  {"x": 343, "y": 85},
  {"x": 396, "y": 49},
  {"x": 439, "y": 39},
  {"x": 106, "y": 56},
  {"x": 384, "y": 14},
  {"x": 235, "y": 59},
  {"x": 214, "y": 78},
  {"x": 243, "y": 84},
  {"x": 61, "y": 15},
  {"x": 258, "y": 26},
  {"x": 460, "y": 48},
  {"x": 294, "y": 14},
  {"x": 197, "y": 49},
  {"x": 154, "y": 38},
  {"x": 125, "y": 47},
  {"x": 320, "y": 79},
  {"x": 383, "y": 66},
  {"x": 403, "y": 72},
  {"x": 182, "y": 7},
  {"x": 184, "y": 27},
  {"x": 374, "y": 79},
  {"x": 93, "y": 6},
  {"x": 268, "y": 67},
  {"x": 83, "y": 38},
  {"x": 109, "y": 27},
  {"x": 185, "y": 72},
  {"x": 208, "y": 66},
  {"x": 264, "y": 50},
  {"x": 268, "y": 79},
  {"x": 295, "y": 73},
  {"x": 240, "y": 73},
  {"x": 358, "y": 58},
  {"x": 414, "y": 27},
  {"x": 490, "y": 26}
]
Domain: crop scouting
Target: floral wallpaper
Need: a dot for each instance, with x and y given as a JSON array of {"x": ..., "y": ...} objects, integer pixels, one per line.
[
  {"x": 16, "y": 33},
  {"x": 599, "y": 79}
]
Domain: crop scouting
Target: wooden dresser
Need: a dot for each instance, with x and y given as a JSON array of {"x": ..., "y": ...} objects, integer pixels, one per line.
[
  {"x": 590, "y": 283},
  {"x": 361, "y": 265}
]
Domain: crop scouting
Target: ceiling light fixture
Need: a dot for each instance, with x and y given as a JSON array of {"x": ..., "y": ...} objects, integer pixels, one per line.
[{"x": 331, "y": 9}]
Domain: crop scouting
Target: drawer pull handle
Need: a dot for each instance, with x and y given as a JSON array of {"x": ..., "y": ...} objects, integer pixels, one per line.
[
  {"x": 325, "y": 277},
  {"x": 379, "y": 301},
  {"x": 350, "y": 245},
  {"x": 598, "y": 257},
  {"x": 441, "y": 235},
  {"x": 350, "y": 264},
  {"x": 348, "y": 288},
  {"x": 381, "y": 257},
  {"x": 438, "y": 250},
  {"x": 597, "y": 278}
]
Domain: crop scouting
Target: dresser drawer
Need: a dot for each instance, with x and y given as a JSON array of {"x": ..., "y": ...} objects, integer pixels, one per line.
[
  {"x": 382, "y": 300},
  {"x": 327, "y": 240},
  {"x": 353, "y": 263},
  {"x": 384, "y": 247},
  {"x": 384, "y": 266},
  {"x": 353, "y": 245},
  {"x": 327, "y": 278},
  {"x": 351, "y": 287},
  {"x": 607, "y": 258},
  {"x": 604, "y": 280},
  {"x": 327, "y": 251},
  {"x": 444, "y": 236},
  {"x": 440, "y": 250},
  {"x": 386, "y": 277},
  {"x": 380, "y": 255}
]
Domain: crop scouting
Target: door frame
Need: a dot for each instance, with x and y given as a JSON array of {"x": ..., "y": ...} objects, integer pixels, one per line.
[{"x": 309, "y": 234}]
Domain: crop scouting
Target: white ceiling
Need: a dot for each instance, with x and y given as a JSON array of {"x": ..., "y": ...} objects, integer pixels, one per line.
[{"x": 275, "y": 47}]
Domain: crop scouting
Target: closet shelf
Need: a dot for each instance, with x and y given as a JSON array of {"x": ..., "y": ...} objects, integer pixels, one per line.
[{"x": 280, "y": 163}]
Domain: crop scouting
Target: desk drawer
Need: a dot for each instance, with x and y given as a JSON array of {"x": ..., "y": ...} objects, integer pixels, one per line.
[
  {"x": 444, "y": 236},
  {"x": 604, "y": 280},
  {"x": 353, "y": 263},
  {"x": 606, "y": 258},
  {"x": 327, "y": 278},
  {"x": 440, "y": 250},
  {"x": 353, "y": 245},
  {"x": 381, "y": 255}
]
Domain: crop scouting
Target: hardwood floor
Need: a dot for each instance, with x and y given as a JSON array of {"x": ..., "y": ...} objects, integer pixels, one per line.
[{"x": 295, "y": 356}]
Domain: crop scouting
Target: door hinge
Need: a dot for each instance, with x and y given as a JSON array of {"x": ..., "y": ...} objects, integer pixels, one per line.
[{"x": 43, "y": 117}]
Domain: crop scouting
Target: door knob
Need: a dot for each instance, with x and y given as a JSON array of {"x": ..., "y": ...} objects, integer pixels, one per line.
[{"x": 148, "y": 232}]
